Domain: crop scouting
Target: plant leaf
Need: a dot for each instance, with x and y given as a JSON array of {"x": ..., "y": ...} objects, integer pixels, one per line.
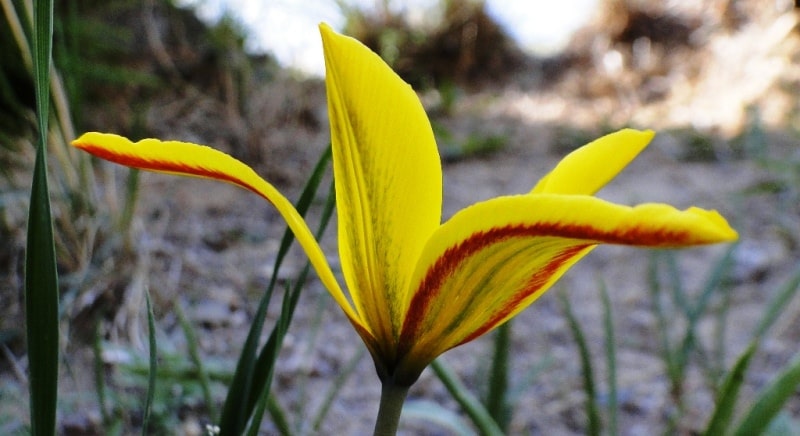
[
  {"x": 41, "y": 275},
  {"x": 241, "y": 400},
  {"x": 771, "y": 401},
  {"x": 729, "y": 393}
]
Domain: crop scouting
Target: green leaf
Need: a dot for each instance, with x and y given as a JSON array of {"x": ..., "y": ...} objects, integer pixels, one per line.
[
  {"x": 593, "y": 425},
  {"x": 468, "y": 402},
  {"x": 777, "y": 305},
  {"x": 194, "y": 354},
  {"x": 241, "y": 398},
  {"x": 41, "y": 305},
  {"x": 729, "y": 393},
  {"x": 262, "y": 378},
  {"x": 338, "y": 382},
  {"x": 152, "y": 376},
  {"x": 611, "y": 360},
  {"x": 497, "y": 397},
  {"x": 771, "y": 401},
  {"x": 41, "y": 275}
]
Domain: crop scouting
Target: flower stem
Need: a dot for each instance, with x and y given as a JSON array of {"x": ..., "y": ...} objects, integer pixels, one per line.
[{"x": 392, "y": 399}]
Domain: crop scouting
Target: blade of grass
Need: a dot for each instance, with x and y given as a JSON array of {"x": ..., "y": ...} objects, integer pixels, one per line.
[
  {"x": 41, "y": 275},
  {"x": 679, "y": 297},
  {"x": 611, "y": 360},
  {"x": 468, "y": 402},
  {"x": 777, "y": 305},
  {"x": 262, "y": 379},
  {"x": 694, "y": 312},
  {"x": 592, "y": 414},
  {"x": 523, "y": 383},
  {"x": 497, "y": 396},
  {"x": 729, "y": 393},
  {"x": 99, "y": 376},
  {"x": 301, "y": 414},
  {"x": 269, "y": 355},
  {"x": 278, "y": 414},
  {"x": 194, "y": 354},
  {"x": 151, "y": 379},
  {"x": 771, "y": 401},
  {"x": 338, "y": 382},
  {"x": 654, "y": 286},
  {"x": 235, "y": 412}
]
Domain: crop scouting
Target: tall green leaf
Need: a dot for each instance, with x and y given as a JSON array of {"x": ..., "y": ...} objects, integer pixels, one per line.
[
  {"x": 611, "y": 360},
  {"x": 241, "y": 398},
  {"x": 589, "y": 386},
  {"x": 153, "y": 369},
  {"x": 497, "y": 396},
  {"x": 771, "y": 400},
  {"x": 729, "y": 393},
  {"x": 41, "y": 277},
  {"x": 265, "y": 364},
  {"x": 468, "y": 402}
]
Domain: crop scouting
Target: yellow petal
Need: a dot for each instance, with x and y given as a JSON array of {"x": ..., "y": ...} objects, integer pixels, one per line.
[
  {"x": 589, "y": 168},
  {"x": 183, "y": 158},
  {"x": 495, "y": 258},
  {"x": 388, "y": 179}
]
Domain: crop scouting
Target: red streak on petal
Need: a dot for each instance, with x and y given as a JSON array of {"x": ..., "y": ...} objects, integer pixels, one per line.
[
  {"x": 448, "y": 263},
  {"x": 134, "y": 161},
  {"x": 535, "y": 284}
]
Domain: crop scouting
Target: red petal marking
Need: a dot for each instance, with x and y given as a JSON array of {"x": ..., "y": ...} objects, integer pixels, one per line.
[
  {"x": 133, "y": 161},
  {"x": 535, "y": 284},
  {"x": 450, "y": 260}
]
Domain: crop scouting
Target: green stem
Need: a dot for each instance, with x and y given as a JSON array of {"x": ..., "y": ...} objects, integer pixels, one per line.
[{"x": 392, "y": 399}]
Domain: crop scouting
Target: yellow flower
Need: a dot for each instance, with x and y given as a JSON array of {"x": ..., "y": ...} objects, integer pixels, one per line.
[{"x": 417, "y": 286}]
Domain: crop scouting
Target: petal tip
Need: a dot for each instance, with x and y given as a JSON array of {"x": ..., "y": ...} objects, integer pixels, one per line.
[{"x": 721, "y": 230}]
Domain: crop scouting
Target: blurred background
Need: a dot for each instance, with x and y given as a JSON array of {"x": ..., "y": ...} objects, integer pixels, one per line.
[{"x": 510, "y": 88}]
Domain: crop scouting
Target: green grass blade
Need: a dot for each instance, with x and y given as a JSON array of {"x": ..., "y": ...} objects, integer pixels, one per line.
[
  {"x": 302, "y": 421},
  {"x": 679, "y": 297},
  {"x": 611, "y": 361},
  {"x": 592, "y": 414},
  {"x": 41, "y": 305},
  {"x": 262, "y": 378},
  {"x": 771, "y": 401},
  {"x": 41, "y": 275},
  {"x": 729, "y": 393},
  {"x": 522, "y": 382},
  {"x": 713, "y": 283},
  {"x": 777, "y": 305},
  {"x": 236, "y": 412},
  {"x": 468, "y": 402},
  {"x": 497, "y": 396},
  {"x": 278, "y": 415},
  {"x": 654, "y": 286},
  {"x": 152, "y": 376},
  {"x": 340, "y": 380},
  {"x": 99, "y": 374},
  {"x": 194, "y": 354}
]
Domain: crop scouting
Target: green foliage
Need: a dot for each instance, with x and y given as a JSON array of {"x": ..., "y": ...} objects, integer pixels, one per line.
[
  {"x": 253, "y": 376},
  {"x": 41, "y": 277},
  {"x": 592, "y": 411},
  {"x": 497, "y": 396},
  {"x": 470, "y": 404}
]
